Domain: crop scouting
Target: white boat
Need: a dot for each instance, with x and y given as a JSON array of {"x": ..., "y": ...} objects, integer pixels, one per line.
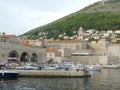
[
  {"x": 7, "y": 73},
  {"x": 111, "y": 66},
  {"x": 30, "y": 68},
  {"x": 94, "y": 68},
  {"x": 66, "y": 66},
  {"x": 51, "y": 67}
]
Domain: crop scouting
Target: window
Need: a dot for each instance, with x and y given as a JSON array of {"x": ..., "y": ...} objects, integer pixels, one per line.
[
  {"x": 50, "y": 54},
  {"x": 4, "y": 40},
  {"x": 3, "y": 55}
]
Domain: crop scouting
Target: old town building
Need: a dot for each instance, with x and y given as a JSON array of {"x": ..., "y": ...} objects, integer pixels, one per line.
[{"x": 14, "y": 50}]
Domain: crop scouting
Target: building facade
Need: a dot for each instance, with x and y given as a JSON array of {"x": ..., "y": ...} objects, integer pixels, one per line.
[
  {"x": 14, "y": 50},
  {"x": 97, "y": 52},
  {"x": 114, "y": 54}
]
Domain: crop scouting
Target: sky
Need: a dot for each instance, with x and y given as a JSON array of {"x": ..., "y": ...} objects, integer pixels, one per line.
[{"x": 20, "y": 16}]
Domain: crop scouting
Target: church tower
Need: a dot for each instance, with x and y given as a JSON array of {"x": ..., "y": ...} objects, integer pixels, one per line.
[
  {"x": 80, "y": 34},
  {"x": 104, "y": 1}
]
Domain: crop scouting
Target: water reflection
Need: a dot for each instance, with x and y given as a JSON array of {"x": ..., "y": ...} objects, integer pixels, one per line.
[
  {"x": 107, "y": 79},
  {"x": 4, "y": 83}
]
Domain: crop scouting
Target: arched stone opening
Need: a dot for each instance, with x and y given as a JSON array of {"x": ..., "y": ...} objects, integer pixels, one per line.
[
  {"x": 50, "y": 61},
  {"x": 34, "y": 58},
  {"x": 24, "y": 57},
  {"x": 13, "y": 56}
]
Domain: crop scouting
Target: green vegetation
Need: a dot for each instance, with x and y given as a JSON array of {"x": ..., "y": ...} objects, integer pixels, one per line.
[{"x": 97, "y": 19}]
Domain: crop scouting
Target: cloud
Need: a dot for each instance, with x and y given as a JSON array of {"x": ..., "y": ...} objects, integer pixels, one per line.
[{"x": 20, "y": 16}]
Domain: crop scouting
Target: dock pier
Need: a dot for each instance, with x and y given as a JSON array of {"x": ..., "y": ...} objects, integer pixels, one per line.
[{"x": 50, "y": 73}]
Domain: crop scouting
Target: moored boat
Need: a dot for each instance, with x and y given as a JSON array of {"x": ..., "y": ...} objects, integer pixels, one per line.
[
  {"x": 111, "y": 66},
  {"x": 4, "y": 73},
  {"x": 8, "y": 74},
  {"x": 94, "y": 68}
]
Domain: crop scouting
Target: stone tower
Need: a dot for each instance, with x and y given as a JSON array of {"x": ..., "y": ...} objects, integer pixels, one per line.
[
  {"x": 80, "y": 34},
  {"x": 103, "y": 2}
]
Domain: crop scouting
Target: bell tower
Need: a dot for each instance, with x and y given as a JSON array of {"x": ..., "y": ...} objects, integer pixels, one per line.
[
  {"x": 103, "y": 2},
  {"x": 80, "y": 34}
]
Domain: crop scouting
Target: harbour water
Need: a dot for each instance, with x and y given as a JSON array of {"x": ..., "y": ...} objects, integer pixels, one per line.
[{"x": 107, "y": 79}]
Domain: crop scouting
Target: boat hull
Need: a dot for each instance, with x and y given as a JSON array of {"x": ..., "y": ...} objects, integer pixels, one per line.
[{"x": 6, "y": 74}]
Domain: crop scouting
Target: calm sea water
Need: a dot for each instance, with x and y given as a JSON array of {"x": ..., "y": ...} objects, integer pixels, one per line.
[{"x": 108, "y": 79}]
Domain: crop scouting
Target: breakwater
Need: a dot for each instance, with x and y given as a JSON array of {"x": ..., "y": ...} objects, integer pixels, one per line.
[{"x": 50, "y": 73}]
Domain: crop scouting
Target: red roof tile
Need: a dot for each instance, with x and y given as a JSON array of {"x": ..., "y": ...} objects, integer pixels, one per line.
[
  {"x": 65, "y": 41},
  {"x": 51, "y": 50},
  {"x": 7, "y": 36},
  {"x": 26, "y": 44}
]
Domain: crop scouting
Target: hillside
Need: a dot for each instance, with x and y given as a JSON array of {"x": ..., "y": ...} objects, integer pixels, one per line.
[{"x": 100, "y": 16}]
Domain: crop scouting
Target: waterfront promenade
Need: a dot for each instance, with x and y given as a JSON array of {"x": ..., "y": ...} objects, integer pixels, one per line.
[{"x": 50, "y": 73}]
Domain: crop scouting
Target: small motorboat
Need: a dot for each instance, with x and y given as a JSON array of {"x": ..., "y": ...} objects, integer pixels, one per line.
[
  {"x": 111, "y": 66},
  {"x": 4, "y": 73},
  {"x": 8, "y": 74},
  {"x": 94, "y": 68}
]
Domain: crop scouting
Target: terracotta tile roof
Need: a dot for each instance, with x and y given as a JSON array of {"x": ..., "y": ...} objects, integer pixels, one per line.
[
  {"x": 7, "y": 36},
  {"x": 65, "y": 41},
  {"x": 26, "y": 44},
  {"x": 115, "y": 45},
  {"x": 51, "y": 51}
]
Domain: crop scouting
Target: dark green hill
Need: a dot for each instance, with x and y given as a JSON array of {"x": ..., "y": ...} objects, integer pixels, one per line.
[{"x": 99, "y": 16}]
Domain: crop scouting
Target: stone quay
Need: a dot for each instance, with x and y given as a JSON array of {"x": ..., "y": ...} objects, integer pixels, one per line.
[{"x": 50, "y": 73}]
